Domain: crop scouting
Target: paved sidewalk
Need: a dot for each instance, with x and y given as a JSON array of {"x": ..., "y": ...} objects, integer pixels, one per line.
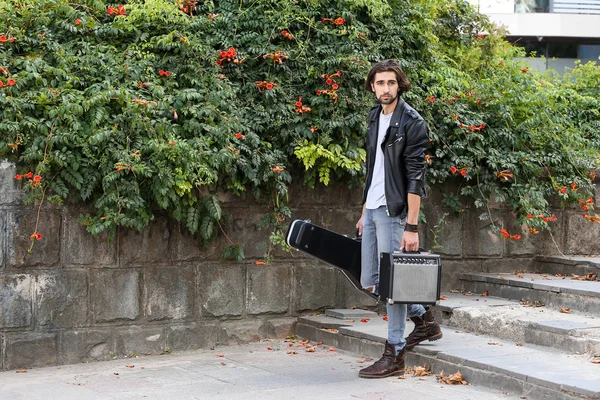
[{"x": 250, "y": 371}]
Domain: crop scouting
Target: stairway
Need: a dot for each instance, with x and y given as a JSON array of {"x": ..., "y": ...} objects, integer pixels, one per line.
[{"x": 530, "y": 334}]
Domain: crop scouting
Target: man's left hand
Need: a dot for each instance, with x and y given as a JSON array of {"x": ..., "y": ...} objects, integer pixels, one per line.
[{"x": 410, "y": 241}]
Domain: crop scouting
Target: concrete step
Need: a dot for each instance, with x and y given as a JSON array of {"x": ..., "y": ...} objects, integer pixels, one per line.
[
  {"x": 533, "y": 372},
  {"x": 580, "y": 265},
  {"x": 510, "y": 320},
  {"x": 553, "y": 291}
]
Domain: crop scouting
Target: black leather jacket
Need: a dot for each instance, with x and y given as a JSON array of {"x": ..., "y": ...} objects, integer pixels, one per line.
[{"x": 404, "y": 148}]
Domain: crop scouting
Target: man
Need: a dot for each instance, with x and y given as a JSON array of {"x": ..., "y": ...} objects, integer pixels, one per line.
[{"x": 397, "y": 141}]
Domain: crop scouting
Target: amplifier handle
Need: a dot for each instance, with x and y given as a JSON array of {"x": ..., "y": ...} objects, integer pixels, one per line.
[{"x": 421, "y": 250}]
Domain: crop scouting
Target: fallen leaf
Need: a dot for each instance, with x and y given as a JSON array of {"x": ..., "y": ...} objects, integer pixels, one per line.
[
  {"x": 220, "y": 355},
  {"x": 596, "y": 360},
  {"x": 494, "y": 343},
  {"x": 331, "y": 330},
  {"x": 311, "y": 349},
  {"x": 365, "y": 320},
  {"x": 402, "y": 377},
  {"x": 468, "y": 294},
  {"x": 353, "y": 307},
  {"x": 519, "y": 344},
  {"x": 385, "y": 318},
  {"x": 21, "y": 371},
  {"x": 422, "y": 379},
  {"x": 269, "y": 348},
  {"x": 350, "y": 320},
  {"x": 360, "y": 361},
  {"x": 454, "y": 379},
  {"x": 443, "y": 298},
  {"x": 116, "y": 373},
  {"x": 292, "y": 352},
  {"x": 486, "y": 293},
  {"x": 503, "y": 277},
  {"x": 565, "y": 310},
  {"x": 331, "y": 349},
  {"x": 421, "y": 371},
  {"x": 223, "y": 363},
  {"x": 130, "y": 366},
  {"x": 319, "y": 343}
]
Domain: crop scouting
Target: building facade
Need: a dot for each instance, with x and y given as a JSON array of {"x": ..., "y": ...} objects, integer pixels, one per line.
[{"x": 555, "y": 32}]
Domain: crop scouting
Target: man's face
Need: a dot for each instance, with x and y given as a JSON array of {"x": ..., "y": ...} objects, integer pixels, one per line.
[{"x": 385, "y": 87}]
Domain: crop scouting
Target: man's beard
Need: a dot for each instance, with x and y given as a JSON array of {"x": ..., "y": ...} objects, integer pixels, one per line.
[{"x": 389, "y": 100}]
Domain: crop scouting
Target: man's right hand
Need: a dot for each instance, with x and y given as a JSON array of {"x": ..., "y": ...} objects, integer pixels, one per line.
[{"x": 359, "y": 225}]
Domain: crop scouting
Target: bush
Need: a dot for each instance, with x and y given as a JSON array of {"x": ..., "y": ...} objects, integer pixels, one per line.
[{"x": 158, "y": 105}]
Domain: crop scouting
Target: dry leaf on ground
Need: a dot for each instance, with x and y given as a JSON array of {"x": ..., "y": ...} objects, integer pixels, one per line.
[
  {"x": 443, "y": 298},
  {"x": 453, "y": 379},
  {"x": 596, "y": 360},
  {"x": 494, "y": 343},
  {"x": 130, "y": 366},
  {"x": 21, "y": 371},
  {"x": 365, "y": 320},
  {"x": 565, "y": 310},
  {"x": 421, "y": 371},
  {"x": 311, "y": 349},
  {"x": 331, "y": 349},
  {"x": 486, "y": 293},
  {"x": 331, "y": 330}
]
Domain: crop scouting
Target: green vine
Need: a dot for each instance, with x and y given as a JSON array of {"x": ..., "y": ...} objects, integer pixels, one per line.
[{"x": 156, "y": 105}]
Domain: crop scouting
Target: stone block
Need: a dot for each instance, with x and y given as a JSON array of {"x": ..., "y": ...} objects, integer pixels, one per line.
[
  {"x": 10, "y": 194},
  {"x": 221, "y": 290},
  {"x": 506, "y": 265},
  {"x": 86, "y": 345},
  {"x": 269, "y": 289},
  {"x": 546, "y": 242},
  {"x": 149, "y": 246},
  {"x": 30, "y": 350},
  {"x": 186, "y": 246},
  {"x": 451, "y": 270},
  {"x": 581, "y": 235},
  {"x": 115, "y": 294},
  {"x": 16, "y": 301},
  {"x": 3, "y": 232},
  {"x": 478, "y": 238},
  {"x": 61, "y": 299},
  {"x": 348, "y": 295},
  {"x": 314, "y": 287},
  {"x": 242, "y": 226},
  {"x": 336, "y": 195},
  {"x": 242, "y": 331},
  {"x": 139, "y": 340},
  {"x": 443, "y": 232},
  {"x": 280, "y": 328},
  {"x": 45, "y": 252},
  {"x": 81, "y": 248},
  {"x": 340, "y": 221},
  {"x": 193, "y": 336},
  {"x": 169, "y": 293}
]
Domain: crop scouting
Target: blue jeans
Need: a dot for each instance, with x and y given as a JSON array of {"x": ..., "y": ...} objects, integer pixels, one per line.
[{"x": 383, "y": 234}]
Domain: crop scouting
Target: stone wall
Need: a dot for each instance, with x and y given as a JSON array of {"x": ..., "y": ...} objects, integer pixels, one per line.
[{"x": 78, "y": 298}]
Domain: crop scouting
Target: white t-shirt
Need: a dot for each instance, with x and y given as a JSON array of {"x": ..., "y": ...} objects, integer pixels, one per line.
[{"x": 376, "y": 194}]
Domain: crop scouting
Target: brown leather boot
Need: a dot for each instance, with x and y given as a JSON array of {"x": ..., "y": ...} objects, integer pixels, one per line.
[
  {"x": 388, "y": 365},
  {"x": 425, "y": 329}
]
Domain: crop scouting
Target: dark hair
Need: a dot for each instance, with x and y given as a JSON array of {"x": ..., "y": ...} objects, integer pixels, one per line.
[{"x": 388, "y": 66}]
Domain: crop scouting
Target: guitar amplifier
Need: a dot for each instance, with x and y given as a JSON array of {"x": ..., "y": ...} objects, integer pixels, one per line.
[{"x": 409, "y": 278}]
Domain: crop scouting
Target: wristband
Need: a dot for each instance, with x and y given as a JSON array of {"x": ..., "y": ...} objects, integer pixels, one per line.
[{"x": 411, "y": 228}]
